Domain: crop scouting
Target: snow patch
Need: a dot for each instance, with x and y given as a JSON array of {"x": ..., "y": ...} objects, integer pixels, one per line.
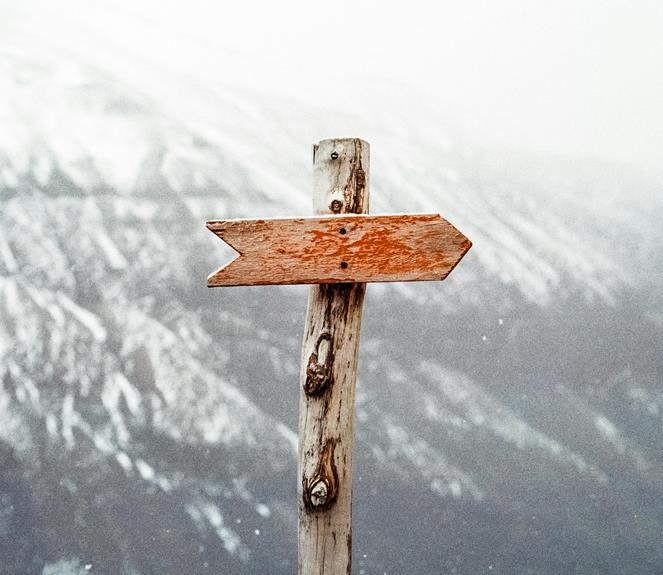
[
  {"x": 42, "y": 169},
  {"x": 145, "y": 470},
  {"x": 7, "y": 256},
  {"x": 118, "y": 386},
  {"x": 125, "y": 461},
  {"x": 113, "y": 255},
  {"x": 85, "y": 317},
  {"x": 478, "y": 409},
  {"x": 289, "y": 435},
  {"x": 263, "y": 510},
  {"x": 445, "y": 479},
  {"x": 610, "y": 432},
  {"x": 231, "y": 540},
  {"x": 69, "y": 420}
]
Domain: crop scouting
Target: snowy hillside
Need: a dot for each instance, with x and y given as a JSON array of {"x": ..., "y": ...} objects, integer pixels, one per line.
[{"x": 509, "y": 417}]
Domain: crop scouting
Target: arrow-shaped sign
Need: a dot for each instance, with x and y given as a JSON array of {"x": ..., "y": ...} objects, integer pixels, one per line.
[{"x": 338, "y": 249}]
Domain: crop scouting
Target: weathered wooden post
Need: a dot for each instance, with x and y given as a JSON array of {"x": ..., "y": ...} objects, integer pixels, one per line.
[
  {"x": 337, "y": 251},
  {"x": 328, "y": 373}
]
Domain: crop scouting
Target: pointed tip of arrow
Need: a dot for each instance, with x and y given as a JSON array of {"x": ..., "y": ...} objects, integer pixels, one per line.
[
  {"x": 465, "y": 246},
  {"x": 461, "y": 241}
]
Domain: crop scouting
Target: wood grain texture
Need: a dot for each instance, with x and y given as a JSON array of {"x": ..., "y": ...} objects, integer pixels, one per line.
[
  {"x": 339, "y": 249},
  {"x": 328, "y": 373}
]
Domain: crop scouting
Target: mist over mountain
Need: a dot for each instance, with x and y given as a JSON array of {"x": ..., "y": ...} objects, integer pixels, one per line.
[{"x": 509, "y": 420}]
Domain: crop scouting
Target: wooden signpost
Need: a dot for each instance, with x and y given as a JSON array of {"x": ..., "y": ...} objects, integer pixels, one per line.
[
  {"x": 336, "y": 249},
  {"x": 338, "y": 254}
]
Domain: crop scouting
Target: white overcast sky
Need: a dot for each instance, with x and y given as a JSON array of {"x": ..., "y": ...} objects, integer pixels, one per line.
[
  {"x": 580, "y": 77},
  {"x": 574, "y": 77}
]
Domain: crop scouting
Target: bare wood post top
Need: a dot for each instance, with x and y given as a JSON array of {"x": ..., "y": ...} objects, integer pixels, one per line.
[{"x": 328, "y": 374}]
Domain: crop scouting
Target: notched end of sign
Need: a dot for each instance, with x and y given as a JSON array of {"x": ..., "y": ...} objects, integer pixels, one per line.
[{"x": 217, "y": 278}]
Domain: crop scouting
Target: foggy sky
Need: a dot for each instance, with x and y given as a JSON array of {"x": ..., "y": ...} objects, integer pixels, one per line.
[{"x": 580, "y": 78}]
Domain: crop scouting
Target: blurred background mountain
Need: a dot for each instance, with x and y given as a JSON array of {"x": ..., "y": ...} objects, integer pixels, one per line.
[{"x": 509, "y": 420}]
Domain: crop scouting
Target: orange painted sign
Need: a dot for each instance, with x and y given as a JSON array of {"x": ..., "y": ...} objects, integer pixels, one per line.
[{"x": 338, "y": 249}]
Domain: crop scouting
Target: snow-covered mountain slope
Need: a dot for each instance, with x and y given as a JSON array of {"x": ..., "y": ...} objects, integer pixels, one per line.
[
  {"x": 65, "y": 119},
  {"x": 510, "y": 417}
]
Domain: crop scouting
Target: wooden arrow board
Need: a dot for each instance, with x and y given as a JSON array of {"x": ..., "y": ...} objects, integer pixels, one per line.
[{"x": 338, "y": 249}]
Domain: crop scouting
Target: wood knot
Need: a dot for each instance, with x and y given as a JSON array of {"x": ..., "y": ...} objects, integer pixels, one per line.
[
  {"x": 336, "y": 206},
  {"x": 321, "y": 490},
  {"x": 319, "y": 366},
  {"x": 319, "y": 493}
]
